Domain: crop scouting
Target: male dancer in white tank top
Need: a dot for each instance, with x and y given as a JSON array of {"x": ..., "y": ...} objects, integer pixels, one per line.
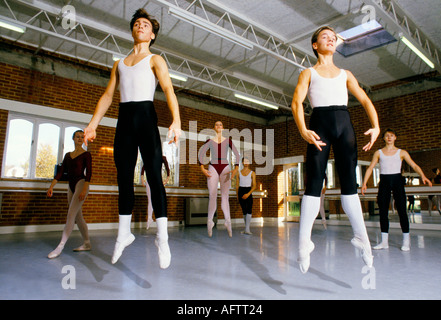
[
  {"x": 327, "y": 88},
  {"x": 391, "y": 180},
  {"x": 138, "y": 75}
]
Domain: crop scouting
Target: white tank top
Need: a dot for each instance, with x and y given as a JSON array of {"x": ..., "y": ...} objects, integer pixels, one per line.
[
  {"x": 245, "y": 181},
  {"x": 138, "y": 82},
  {"x": 390, "y": 164},
  {"x": 325, "y": 92}
]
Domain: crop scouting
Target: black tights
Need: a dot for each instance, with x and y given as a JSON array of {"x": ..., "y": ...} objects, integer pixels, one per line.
[
  {"x": 137, "y": 128},
  {"x": 245, "y": 204},
  {"x": 333, "y": 125},
  {"x": 392, "y": 183}
]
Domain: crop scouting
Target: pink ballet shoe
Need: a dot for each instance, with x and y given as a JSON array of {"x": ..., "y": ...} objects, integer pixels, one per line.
[{"x": 210, "y": 225}]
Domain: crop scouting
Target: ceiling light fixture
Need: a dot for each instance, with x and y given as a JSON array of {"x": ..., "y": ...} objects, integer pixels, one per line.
[
  {"x": 117, "y": 57},
  {"x": 253, "y": 100},
  {"x": 12, "y": 26},
  {"x": 417, "y": 52},
  {"x": 210, "y": 27},
  {"x": 177, "y": 76}
]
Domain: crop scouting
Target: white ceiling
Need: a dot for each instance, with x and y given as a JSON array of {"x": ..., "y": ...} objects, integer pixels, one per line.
[{"x": 280, "y": 32}]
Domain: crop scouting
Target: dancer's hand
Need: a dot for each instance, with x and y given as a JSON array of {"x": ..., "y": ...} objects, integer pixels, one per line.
[
  {"x": 82, "y": 195},
  {"x": 313, "y": 138},
  {"x": 425, "y": 180},
  {"x": 374, "y": 133},
  {"x": 89, "y": 135},
  {"x": 49, "y": 192},
  {"x": 363, "y": 189},
  {"x": 206, "y": 172},
  {"x": 174, "y": 132}
]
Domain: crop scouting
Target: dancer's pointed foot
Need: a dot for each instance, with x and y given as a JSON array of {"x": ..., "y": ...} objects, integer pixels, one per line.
[
  {"x": 149, "y": 223},
  {"x": 366, "y": 254},
  {"x": 163, "y": 253},
  {"x": 54, "y": 254},
  {"x": 304, "y": 257},
  {"x": 120, "y": 245},
  {"x": 228, "y": 226},
  {"x": 210, "y": 225}
]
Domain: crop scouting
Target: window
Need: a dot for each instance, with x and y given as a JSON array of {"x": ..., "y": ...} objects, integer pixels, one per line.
[
  {"x": 35, "y": 145},
  {"x": 367, "y": 36}
]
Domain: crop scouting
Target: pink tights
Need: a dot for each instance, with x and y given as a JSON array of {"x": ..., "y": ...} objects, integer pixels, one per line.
[
  {"x": 75, "y": 213},
  {"x": 225, "y": 183}
]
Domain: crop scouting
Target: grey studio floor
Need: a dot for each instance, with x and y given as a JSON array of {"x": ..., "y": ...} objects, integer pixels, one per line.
[{"x": 258, "y": 267}]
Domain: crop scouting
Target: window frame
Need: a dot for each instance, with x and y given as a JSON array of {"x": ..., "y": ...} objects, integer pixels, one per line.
[{"x": 36, "y": 121}]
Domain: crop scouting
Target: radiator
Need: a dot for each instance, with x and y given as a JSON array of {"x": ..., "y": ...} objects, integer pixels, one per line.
[{"x": 196, "y": 211}]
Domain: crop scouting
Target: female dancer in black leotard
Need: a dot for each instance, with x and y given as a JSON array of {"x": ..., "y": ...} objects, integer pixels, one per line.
[
  {"x": 218, "y": 171},
  {"x": 74, "y": 164}
]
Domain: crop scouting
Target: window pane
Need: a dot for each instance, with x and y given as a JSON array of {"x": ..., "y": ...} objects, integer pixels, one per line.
[
  {"x": 68, "y": 141},
  {"x": 47, "y": 150},
  {"x": 18, "y": 148}
]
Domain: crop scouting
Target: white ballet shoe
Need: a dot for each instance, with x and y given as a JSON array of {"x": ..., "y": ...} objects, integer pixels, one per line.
[
  {"x": 163, "y": 253},
  {"x": 120, "y": 245},
  {"x": 55, "y": 253},
  {"x": 210, "y": 225},
  {"x": 304, "y": 257},
  {"x": 84, "y": 247},
  {"x": 368, "y": 258}
]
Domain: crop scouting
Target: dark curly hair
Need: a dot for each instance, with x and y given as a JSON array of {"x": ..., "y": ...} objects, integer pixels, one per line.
[{"x": 141, "y": 13}]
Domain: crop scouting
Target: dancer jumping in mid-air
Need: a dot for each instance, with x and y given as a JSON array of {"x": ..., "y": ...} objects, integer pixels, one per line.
[
  {"x": 391, "y": 180},
  {"x": 75, "y": 163},
  {"x": 137, "y": 75},
  {"x": 327, "y": 88},
  {"x": 218, "y": 171}
]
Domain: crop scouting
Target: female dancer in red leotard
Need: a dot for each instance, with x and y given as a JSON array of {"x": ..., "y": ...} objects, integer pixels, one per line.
[{"x": 218, "y": 171}]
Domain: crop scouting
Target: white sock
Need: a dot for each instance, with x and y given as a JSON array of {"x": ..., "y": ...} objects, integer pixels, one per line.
[
  {"x": 124, "y": 227},
  {"x": 352, "y": 207},
  {"x": 247, "y": 223},
  {"x": 384, "y": 244},
  {"x": 308, "y": 212},
  {"x": 406, "y": 242},
  {"x": 162, "y": 242}
]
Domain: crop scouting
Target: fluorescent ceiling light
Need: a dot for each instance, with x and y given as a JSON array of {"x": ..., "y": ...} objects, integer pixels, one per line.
[
  {"x": 177, "y": 76},
  {"x": 417, "y": 52},
  {"x": 250, "y": 99},
  {"x": 12, "y": 26},
  {"x": 117, "y": 57},
  {"x": 210, "y": 27}
]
